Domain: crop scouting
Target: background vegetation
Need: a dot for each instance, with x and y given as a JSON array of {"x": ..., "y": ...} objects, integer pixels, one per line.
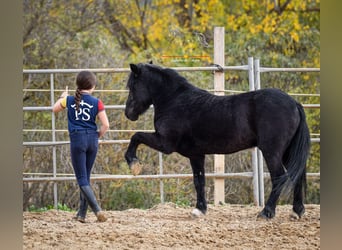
[{"x": 113, "y": 33}]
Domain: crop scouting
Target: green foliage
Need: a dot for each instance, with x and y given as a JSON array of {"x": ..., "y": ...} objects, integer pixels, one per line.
[
  {"x": 62, "y": 207},
  {"x": 109, "y": 34},
  {"x": 130, "y": 194}
]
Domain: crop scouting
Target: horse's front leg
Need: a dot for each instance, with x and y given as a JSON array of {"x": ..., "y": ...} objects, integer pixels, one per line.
[
  {"x": 150, "y": 139},
  {"x": 197, "y": 164}
]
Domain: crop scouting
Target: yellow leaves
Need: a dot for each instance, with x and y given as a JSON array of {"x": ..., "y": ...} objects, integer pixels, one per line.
[
  {"x": 213, "y": 3},
  {"x": 294, "y": 36},
  {"x": 249, "y": 23},
  {"x": 163, "y": 2},
  {"x": 210, "y": 12},
  {"x": 296, "y": 28},
  {"x": 306, "y": 77},
  {"x": 270, "y": 6},
  {"x": 296, "y": 24},
  {"x": 203, "y": 22},
  {"x": 302, "y": 5},
  {"x": 231, "y": 23},
  {"x": 268, "y": 29},
  {"x": 255, "y": 29},
  {"x": 156, "y": 31},
  {"x": 317, "y": 62}
]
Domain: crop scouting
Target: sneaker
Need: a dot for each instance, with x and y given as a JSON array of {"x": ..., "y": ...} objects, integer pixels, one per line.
[{"x": 79, "y": 218}]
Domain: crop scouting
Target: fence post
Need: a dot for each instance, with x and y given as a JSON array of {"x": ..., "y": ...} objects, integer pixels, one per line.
[
  {"x": 219, "y": 90},
  {"x": 259, "y": 153},
  {"x": 53, "y": 127},
  {"x": 254, "y": 150}
]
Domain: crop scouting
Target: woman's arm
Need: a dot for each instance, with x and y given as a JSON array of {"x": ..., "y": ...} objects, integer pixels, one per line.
[
  {"x": 102, "y": 115},
  {"x": 58, "y": 106}
]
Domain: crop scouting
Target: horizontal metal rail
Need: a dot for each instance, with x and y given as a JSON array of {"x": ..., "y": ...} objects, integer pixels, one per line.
[
  {"x": 95, "y": 70},
  {"x": 313, "y": 135},
  {"x": 126, "y": 91},
  {"x": 208, "y": 68},
  {"x": 267, "y": 69},
  {"x": 48, "y": 108},
  {"x": 110, "y": 130},
  {"x": 58, "y": 143},
  {"x": 311, "y": 105},
  {"x": 61, "y": 90},
  {"x": 125, "y": 70},
  {"x": 101, "y": 177}
]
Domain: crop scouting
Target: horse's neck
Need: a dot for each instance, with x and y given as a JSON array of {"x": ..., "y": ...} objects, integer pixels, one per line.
[{"x": 166, "y": 92}]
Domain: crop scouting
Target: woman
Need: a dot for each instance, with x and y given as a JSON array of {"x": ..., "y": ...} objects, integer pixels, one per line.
[{"x": 83, "y": 109}]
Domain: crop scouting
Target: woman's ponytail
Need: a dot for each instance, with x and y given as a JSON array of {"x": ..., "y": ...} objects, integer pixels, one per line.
[{"x": 77, "y": 98}]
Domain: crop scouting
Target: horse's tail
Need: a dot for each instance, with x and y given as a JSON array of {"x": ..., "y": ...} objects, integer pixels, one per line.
[{"x": 297, "y": 154}]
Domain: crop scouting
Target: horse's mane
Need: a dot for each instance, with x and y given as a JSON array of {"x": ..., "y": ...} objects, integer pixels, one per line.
[{"x": 170, "y": 75}]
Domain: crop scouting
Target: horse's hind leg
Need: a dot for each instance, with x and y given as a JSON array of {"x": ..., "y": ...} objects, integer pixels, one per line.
[
  {"x": 197, "y": 164},
  {"x": 298, "y": 197},
  {"x": 277, "y": 172}
]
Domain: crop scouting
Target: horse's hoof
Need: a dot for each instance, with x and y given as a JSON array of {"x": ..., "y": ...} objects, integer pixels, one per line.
[
  {"x": 298, "y": 210},
  {"x": 262, "y": 216},
  {"x": 266, "y": 214},
  {"x": 136, "y": 167},
  {"x": 294, "y": 216},
  {"x": 196, "y": 213}
]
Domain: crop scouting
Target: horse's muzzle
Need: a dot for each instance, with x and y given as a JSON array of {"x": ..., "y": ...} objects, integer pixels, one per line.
[{"x": 130, "y": 115}]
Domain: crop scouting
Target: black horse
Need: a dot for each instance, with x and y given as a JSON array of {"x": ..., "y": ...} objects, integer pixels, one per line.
[{"x": 194, "y": 122}]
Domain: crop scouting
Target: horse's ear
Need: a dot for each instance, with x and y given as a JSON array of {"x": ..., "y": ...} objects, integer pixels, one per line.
[
  {"x": 150, "y": 62},
  {"x": 135, "y": 69}
]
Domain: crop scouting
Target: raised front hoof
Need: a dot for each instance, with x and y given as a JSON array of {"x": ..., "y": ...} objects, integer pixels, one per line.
[
  {"x": 135, "y": 167},
  {"x": 196, "y": 213},
  {"x": 266, "y": 214}
]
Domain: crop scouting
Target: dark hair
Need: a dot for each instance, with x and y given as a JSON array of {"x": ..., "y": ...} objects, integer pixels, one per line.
[{"x": 85, "y": 80}]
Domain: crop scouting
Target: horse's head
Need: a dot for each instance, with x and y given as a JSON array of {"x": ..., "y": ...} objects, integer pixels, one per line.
[{"x": 139, "y": 99}]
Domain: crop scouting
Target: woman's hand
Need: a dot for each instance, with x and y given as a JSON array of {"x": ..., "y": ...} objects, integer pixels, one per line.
[
  {"x": 58, "y": 106},
  {"x": 65, "y": 93}
]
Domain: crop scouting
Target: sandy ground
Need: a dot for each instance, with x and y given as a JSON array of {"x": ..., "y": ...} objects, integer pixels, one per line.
[{"x": 167, "y": 226}]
